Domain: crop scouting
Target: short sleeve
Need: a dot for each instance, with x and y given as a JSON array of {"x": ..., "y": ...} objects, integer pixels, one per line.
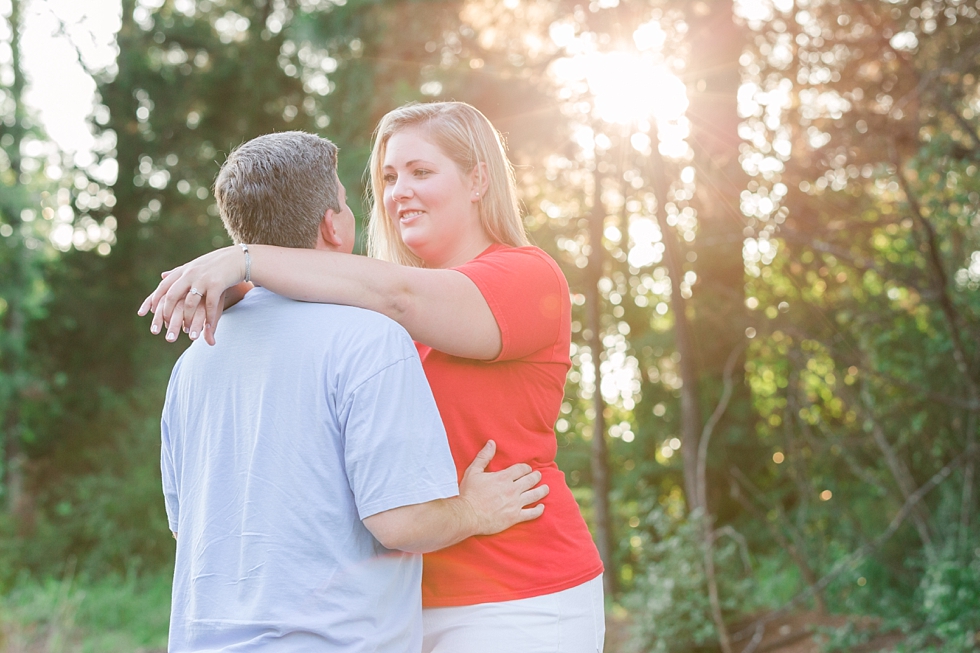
[
  {"x": 395, "y": 447},
  {"x": 527, "y": 294}
]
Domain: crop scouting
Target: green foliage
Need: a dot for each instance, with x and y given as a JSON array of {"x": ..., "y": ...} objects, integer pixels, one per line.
[
  {"x": 948, "y": 606},
  {"x": 669, "y": 600},
  {"x": 777, "y": 580},
  {"x": 26, "y": 163},
  {"x": 942, "y": 615},
  {"x": 851, "y": 636},
  {"x": 860, "y": 284},
  {"x": 99, "y": 500},
  {"x": 852, "y": 396},
  {"x": 113, "y": 614}
]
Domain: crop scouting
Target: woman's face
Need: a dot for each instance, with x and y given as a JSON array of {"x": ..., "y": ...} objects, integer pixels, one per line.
[{"x": 432, "y": 203}]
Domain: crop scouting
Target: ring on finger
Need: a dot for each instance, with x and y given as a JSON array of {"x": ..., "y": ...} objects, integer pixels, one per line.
[{"x": 195, "y": 291}]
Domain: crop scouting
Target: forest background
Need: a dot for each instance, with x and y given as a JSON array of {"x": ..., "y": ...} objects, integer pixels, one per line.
[{"x": 767, "y": 214}]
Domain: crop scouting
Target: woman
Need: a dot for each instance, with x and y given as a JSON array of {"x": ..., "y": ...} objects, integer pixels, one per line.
[{"x": 491, "y": 318}]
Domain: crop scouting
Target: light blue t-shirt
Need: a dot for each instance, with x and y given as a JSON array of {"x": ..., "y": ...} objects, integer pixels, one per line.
[{"x": 301, "y": 421}]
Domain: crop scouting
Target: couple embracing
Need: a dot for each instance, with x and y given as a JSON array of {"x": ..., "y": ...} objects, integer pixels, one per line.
[{"x": 313, "y": 452}]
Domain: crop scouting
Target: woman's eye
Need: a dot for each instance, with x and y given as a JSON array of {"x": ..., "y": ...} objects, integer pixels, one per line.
[
  {"x": 389, "y": 179},
  {"x": 422, "y": 172}
]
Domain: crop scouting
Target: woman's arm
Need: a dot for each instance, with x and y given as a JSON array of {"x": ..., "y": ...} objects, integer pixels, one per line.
[{"x": 440, "y": 308}]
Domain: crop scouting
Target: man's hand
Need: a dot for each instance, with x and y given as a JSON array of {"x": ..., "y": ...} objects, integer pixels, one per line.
[
  {"x": 500, "y": 499},
  {"x": 488, "y": 503}
]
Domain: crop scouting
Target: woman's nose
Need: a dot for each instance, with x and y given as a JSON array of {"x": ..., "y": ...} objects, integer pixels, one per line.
[{"x": 401, "y": 189}]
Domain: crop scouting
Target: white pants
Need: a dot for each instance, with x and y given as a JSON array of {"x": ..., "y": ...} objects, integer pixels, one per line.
[{"x": 570, "y": 621}]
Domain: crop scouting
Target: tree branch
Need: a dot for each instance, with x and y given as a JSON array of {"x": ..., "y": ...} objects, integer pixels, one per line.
[
  {"x": 941, "y": 281},
  {"x": 737, "y": 477},
  {"x": 935, "y": 73},
  {"x": 702, "y": 496},
  {"x": 901, "y": 474},
  {"x": 861, "y": 552},
  {"x": 709, "y": 427}
]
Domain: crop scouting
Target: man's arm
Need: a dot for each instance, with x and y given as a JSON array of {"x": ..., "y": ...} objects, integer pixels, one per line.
[{"x": 488, "y": 502}]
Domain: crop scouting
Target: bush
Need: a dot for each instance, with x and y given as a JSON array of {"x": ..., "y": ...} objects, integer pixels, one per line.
[
  {"x": 949, "y": 606},
  {"x": 99, "y": 501},
  {"x": 669, "y": 603}
]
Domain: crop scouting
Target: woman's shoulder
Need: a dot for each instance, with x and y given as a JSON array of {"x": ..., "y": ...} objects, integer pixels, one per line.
[
  {"x": 523, "y": 258},
  {"x": 526, "y": 267},
  {"x": 502, "y": 249}
]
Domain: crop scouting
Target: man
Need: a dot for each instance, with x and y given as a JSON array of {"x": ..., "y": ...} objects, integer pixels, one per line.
[{"x": 305, "y": 466}]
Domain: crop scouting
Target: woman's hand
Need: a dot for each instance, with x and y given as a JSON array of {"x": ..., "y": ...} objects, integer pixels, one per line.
[{"x": 175, "y": 306}]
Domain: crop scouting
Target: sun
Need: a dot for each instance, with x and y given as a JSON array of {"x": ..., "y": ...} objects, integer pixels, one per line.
[
  {"x": 628, "y": 88},
  {"x": 629, "y": 84}
]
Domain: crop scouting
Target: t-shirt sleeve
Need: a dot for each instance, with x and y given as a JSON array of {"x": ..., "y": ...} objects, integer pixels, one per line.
[
  {"x": 395, "y": 448},
  {"x": 527, "y": 294}
]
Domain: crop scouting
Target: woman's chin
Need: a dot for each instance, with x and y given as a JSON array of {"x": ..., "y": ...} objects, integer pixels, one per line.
[{"x": 415, "y": 243}]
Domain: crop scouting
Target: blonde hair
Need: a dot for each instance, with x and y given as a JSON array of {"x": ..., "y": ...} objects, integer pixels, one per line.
[{"x": 468, "y": 139}]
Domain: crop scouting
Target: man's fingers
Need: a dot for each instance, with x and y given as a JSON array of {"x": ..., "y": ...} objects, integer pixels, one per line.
[
  {"x": 516, "y": 471},
  {"x": 483, "y": 458},
  {"x": 527, "y": 514},
  {"x": 527, "y": 481},
  {"x": 535, "y": 495}
]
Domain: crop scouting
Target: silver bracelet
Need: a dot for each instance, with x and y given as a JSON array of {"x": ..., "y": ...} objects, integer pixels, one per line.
[{"x": 248, "y": 262}]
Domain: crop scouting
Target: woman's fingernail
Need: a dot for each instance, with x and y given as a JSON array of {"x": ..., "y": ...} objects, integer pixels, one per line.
[
  {"x": 171, "y": 337},
  {"x": 155, "y": 329},
  {"x": 193, "y": 335}
]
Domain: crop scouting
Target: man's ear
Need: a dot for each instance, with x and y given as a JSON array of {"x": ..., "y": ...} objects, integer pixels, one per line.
[{"x": 327, "y": 237}]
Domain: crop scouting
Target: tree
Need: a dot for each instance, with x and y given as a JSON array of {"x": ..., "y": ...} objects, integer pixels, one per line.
[
  {"x": 864, "y": 141},
  {"x": 190, "y": 83},
  {"x": 22, "y": 293}
]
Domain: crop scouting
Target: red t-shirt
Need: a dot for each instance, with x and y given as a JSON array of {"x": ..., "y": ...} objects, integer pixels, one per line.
[{"x": 513, "y": 400}]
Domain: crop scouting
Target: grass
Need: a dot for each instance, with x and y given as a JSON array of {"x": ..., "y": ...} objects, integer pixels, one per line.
[{"x": 114, "y": 614}]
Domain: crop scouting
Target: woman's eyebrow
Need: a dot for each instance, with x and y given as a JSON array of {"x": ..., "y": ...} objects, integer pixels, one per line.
[{"x": 410, "y": 163}]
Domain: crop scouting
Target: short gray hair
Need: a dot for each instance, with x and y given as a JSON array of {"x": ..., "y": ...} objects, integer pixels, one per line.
[{"x": 274, "y": 189}]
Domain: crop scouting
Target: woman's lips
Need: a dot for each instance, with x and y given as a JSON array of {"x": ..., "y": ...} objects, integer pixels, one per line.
[{"x": 407, "y": 217}]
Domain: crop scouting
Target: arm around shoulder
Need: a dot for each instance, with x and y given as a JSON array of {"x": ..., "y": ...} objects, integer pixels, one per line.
[{"x": 440, "y": 308}]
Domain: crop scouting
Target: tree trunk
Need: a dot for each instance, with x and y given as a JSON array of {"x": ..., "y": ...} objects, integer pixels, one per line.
[
  {"x": 969, "y": 471},
  {"x": 599, "y": 458},
  {"x": 690, "y": 404},
  {"x": 718, "y": 299},
  {"x": 920, "y": 516},
  {"x": 12, "y": 343}
]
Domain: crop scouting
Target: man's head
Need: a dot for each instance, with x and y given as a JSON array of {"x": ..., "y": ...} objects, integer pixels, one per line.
[{"x": 282, "y": 189}]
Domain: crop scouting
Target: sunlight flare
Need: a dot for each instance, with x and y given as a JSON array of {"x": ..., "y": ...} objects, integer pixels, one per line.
[{"x": 629, "y": 88}]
